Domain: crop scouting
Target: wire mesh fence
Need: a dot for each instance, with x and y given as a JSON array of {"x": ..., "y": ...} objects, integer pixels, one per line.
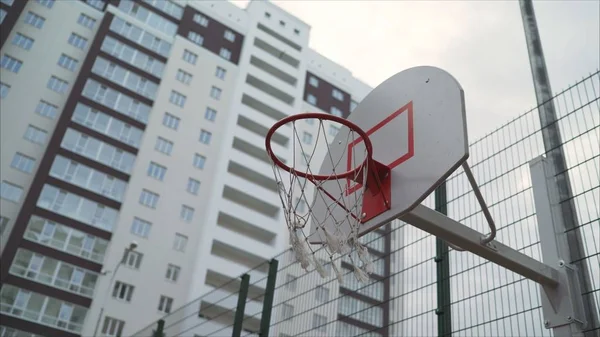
[{"x": 403, "y": 295}]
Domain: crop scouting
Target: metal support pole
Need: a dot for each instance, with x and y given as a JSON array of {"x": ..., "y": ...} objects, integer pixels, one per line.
[
  {"x": 563, "y": 306},
  {"x": 553, "y": 146},
  {"x": 443, "y": 270},
  {"x": 159, "y": 329},
  {"x": 241, "y": 306},
  {"x": 265, "y": 318}
]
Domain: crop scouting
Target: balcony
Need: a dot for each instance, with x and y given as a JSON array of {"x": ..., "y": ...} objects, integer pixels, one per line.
[
  {"x": 261, "y": 130},
  {"x": 66, "y": 239},
  {"x": 40, "y": 309},
  {"x": 280, "y": 75},
  {"x": 269, "y": 89},
  {"x": 250, "y": 202},
  {"x": 54, "y": 273}
]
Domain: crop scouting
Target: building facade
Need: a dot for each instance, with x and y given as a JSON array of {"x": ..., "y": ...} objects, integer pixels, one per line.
[{"x": 144, "y": 122}]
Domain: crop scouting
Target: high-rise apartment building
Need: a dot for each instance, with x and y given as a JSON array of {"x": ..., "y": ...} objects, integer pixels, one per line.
[{"x": 144, "y": 121}]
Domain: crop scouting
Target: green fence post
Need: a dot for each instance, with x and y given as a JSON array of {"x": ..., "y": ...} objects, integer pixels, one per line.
[
  {"x": 265, "y": 318},
  {"x": 444, "y": 316},
  {"x": 159, "y": 329},
  {"x": 241, "y": 306}
]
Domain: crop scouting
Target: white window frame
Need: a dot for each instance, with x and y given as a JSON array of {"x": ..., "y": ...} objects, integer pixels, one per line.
[
  {"x": 156, "y": 171},
  {"x": 23, "y": 41},
  {"x": 4, "y": 90},
  {"x": 210, "y": 114},
  {"x": 132, "y": 259},
  {"x": 78, "y": 41},
  {"x": 200, "y": 19},
  {"x": 36, "y": 135},
  {"x": 229, "y": 35},
  {"x": 10, "y": 63},
  {"x": 10, "y": 191},
  {"x": 149, "y": 199},
  {"x": 199, "y": 161},
  {"x": 221, "y": 73},
  {"x": 189, "y": 57},
  {"x": 86, "y": 21},
  {"x": 164, "y": 146},
  {"x": 337, "y": 94},
  {"x": 112, "y": 327},
  {"x": 173, "y": 272},
  {"x": 23, "y": 163},
  {"x": 57, "y": 85},
  {"x": 336, "y": 111},
  {"x": 140, "y": 227},
  {"x": 183, "y": 77},
  {"x": 313, "y": 81},
  {"x": 177, "y": 98},
  {"x": 193, "y": 186},
  {"x": 35, "y": 20},
  {"x": 123, "y": 291},
  {"x": 187, "y": 213},
  {"x": 195, "y": 38},
  {"x": 205, "y": 137},
  {"x": 215, "y": 92},
  {"x": 165, "y": 304},
  {"x": 180, "y": 242},
  {"x": 225, "y": 53},
  {"x": 310, "y": 98},
  {"x": 67, "y": 62}
]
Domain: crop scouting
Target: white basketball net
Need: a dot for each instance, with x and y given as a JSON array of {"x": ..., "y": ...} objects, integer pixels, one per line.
[{"x": 298, "y": 196}]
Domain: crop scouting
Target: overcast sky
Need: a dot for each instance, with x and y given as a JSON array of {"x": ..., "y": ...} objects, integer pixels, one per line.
[{"x": 481, "y": 43}]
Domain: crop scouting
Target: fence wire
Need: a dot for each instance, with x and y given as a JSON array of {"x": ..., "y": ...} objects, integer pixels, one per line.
[{"x": 401, "y": 298}]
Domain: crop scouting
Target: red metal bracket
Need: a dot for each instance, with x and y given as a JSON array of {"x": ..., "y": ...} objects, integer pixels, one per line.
[{"x": 377, "y": 195}]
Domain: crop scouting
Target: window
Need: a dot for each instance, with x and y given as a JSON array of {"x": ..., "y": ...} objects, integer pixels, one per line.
[
  {"x": 199, "y": 161},
  {"x": 165, "y": 304},
  {"x": 267, "y": 15},
  {"x": 47, "y": 3},
  {"x": 225, "y": 53},
  {"x": 132, "y": 259},
  {"x": 22, "y": 163},
  {"x": 35, "y": 135},
  {"x": 333, "y": 130},
  {"x": 112, "y": 327},
  {"x": 10, "y": 63},
  {"x": 86, "y": 21},
  {"x": 156, "y": 171},
  {"x": 67, "y": 62},
  {"x": 296, "y": 31},
  {"x": 193, "y": 186},
  {"x": 78, "y": 41},
  {"x": 201, "y": 20},
  {"x": 123, "y": 291},
  {"x": 291, "y": 282},
  {"x": 335, "y": 111},
  {"x": 22, "y": 41},
  {"x": 307, "y": 138},
  {"x": 353, "y": 105},
  {"x": 172, "y": 272},
  {"x": 229, "y": 35},
  {"x": 287, "y": 311},
  {"x": 10, "y": 191},
  {"x": 210, "y": 114},
  {"x": 140, "y": 227},
  {"x": 215, "y": 93},
  {"x": 171, "y": 121},
  {"x": 164, "y": 146},
  {"x": 205, "y": 137},
  {"x": 177, "y": 98},
  {"x": 149, "y": 199},
  {"x": 337, "y": 94},
  {"x": 321, "y": 294},
  {"x": 180, "y": 242},
  {"x": 281, "y": 23},
  {"x": 34, "y": 20},
  {"x": 187, "y": 213},
  {"x": 311, "y": 99},
  {"x": 4, "y": 89},
  {"x": 319, "y": 322},
  {"x": 189, "y": 57},
  {"x": 184, "y": 77},
  {"x": 313, "y": 81},
  {"x": 57, "y": 85},
  {"x": 3, "y": 224},
  {"x": 220, "y": 73},
  {"x": 196, "y": 38}
]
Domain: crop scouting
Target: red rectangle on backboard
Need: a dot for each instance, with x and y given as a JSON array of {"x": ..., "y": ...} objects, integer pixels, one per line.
[{"x": 408, "y": 109}]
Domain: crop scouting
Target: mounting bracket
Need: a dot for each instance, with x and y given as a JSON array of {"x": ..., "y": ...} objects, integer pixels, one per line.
[{"x": 562, "y": 306}]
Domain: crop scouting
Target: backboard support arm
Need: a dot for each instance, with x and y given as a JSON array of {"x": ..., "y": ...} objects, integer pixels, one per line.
[
  {"x": 469, "y": 239},
  {"x": 561, "y": 295}
]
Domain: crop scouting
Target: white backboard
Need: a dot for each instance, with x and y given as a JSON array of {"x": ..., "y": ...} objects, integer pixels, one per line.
[{"x": 417, "y": 125}]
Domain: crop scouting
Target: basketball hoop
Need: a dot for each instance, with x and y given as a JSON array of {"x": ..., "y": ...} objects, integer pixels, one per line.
[{"x": 351, "y": 189}]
